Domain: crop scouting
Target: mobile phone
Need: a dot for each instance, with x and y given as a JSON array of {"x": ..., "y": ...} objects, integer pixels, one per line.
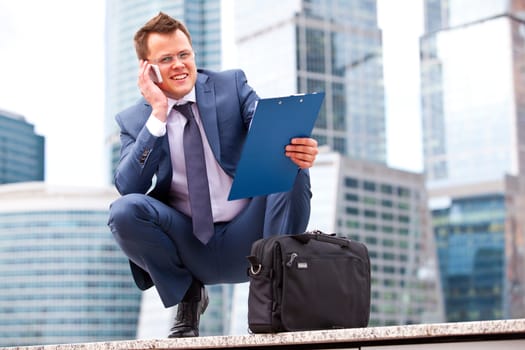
[{"x": 154, "y": 73}]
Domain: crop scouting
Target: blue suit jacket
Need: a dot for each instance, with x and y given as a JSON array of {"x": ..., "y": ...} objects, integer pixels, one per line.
[{"x": 226, "y": 105}]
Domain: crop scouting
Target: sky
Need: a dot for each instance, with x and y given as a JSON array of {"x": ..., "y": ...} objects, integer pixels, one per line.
[
  {"x": 402, "y": 25},
  {"x": 52, "y": 73}
]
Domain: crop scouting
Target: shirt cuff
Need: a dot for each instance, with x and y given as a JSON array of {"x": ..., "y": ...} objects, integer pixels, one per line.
[{"x": 156, "y": 127}]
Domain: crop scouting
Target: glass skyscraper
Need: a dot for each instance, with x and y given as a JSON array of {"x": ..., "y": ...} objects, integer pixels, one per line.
[
  {"x": 481, "y": 249},
  {"x": 63, "y": 279},
  {"x": 471, "y": 247},
  {"x": 21, "y": 150},
  {"x": 473, "y": 117},
  {"x": 473, "y": 100},
  {"x": 332, "y": 46}
]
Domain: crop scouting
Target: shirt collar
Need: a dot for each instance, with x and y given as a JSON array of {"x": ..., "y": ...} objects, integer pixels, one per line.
[{"x": 190, "y": 97}]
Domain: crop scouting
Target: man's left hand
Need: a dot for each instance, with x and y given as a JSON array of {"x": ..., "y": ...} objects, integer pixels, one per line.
[{"x": 302, "y": 151}]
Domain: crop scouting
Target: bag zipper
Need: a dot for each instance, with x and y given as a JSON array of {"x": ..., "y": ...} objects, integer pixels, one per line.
[{"x": 292, "y": 258}]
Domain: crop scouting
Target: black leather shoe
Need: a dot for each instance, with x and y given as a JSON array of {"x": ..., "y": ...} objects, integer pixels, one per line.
[{"x": 189, "y": 312}]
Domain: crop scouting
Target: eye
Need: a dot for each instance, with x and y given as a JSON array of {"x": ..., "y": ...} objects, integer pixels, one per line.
[
  {"x": 166, "y": 59},
  {"x": 184, "y": 55}
]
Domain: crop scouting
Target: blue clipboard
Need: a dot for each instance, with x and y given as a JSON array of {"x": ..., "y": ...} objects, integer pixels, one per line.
[{"x": 263, "y": 167}]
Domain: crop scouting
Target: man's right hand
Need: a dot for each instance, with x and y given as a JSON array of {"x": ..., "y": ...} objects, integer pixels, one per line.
[{"x": 152, "y": 92}]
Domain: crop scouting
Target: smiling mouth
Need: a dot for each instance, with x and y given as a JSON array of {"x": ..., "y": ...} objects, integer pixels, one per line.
[{"x": 181, "y": 76}]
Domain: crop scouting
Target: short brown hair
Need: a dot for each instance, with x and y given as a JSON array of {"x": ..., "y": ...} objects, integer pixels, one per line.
[{"x": 161, "y": 23}]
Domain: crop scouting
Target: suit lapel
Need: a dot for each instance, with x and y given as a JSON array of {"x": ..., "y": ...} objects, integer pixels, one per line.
[{"x": 205, "y": 94}]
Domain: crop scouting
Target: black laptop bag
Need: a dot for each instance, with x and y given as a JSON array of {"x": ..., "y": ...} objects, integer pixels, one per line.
[{"x": 308, "y": 281}]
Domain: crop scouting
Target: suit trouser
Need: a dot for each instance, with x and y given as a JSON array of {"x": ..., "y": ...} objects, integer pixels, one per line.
[{"x": 160, "y": 239}]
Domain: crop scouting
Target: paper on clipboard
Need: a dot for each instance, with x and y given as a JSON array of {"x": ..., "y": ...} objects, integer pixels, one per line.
[{"x": 263, "y": 167}]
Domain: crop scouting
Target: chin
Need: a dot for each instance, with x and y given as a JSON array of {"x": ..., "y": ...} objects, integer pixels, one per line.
[{"x": 177, "y": 94}]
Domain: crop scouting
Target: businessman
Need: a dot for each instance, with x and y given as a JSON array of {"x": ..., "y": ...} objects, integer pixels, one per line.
[{"x": 180, "y": 145}]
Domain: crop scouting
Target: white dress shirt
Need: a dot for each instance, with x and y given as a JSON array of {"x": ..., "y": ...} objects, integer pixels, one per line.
[{"x": 219, "y": 182}]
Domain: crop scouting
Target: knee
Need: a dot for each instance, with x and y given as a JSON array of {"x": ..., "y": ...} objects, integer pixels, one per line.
[{"x": 124, "y": 211}]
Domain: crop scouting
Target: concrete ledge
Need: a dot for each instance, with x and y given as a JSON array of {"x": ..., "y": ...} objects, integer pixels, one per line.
[{"x": 483, "y": 331}]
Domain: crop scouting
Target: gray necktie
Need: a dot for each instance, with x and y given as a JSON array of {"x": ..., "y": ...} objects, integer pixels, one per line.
[{"x": 197, "y": 177}]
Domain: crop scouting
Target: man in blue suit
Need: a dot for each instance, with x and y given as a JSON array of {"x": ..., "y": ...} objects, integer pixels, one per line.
[{"x": 153, "y": 221}]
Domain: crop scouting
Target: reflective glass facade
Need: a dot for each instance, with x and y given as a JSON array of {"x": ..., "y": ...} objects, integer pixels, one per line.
[
  {"x": 21, "y": 150},
  {"x": 473, "y": 100},
  {"x": 63, "y": 279},
  {"x": 473, "y": 114},
  {"x": 470, "y": 238},
  {"x": 332, "y": 46}
]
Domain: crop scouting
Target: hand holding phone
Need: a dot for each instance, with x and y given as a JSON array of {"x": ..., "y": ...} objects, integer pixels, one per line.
[{"x": 154, "y": 73}]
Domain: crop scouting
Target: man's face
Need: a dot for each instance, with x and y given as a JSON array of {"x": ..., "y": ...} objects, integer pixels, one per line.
[{"x": 174, "y": 56}]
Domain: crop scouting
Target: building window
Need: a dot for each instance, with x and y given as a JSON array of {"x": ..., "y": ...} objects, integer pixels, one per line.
[
  {"x": 387, "y": 203},
  {"x": 404, "y": 218},
  {"x": 387, "y": 216},
  {"x": 370, "y": 213},
  {"x": 351, "y": 182},
  {"x": 370, "y": 186},
  {"x": 386, "y": 189},
  {"x": 340, "y": 145},
  {"x": 352, "y": 211},
  {"x": 351, "y": 197},
  {"x": 403, "y": 192},
  {"x": 370, "y": 201},
  {"x": 370, "y": 227}
]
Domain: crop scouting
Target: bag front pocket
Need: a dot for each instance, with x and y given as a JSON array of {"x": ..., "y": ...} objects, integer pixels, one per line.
[{"x": 325, "y": 292}]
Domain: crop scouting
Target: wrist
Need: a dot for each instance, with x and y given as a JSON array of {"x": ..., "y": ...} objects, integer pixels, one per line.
[
  {"x": 160, "y": 113},
  {"x": 156, "y": 126}
]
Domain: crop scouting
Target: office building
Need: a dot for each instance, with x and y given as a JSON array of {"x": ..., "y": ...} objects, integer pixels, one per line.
[
  {"x": 386, "y": 209},
  {"x": 21, "y": 150},
  {"x": 473, "y": 117},
  {"x": 473, "y": 100},
  {"x": 481, "y": 248},
  {"x": 331, "y": 46},
  {"x": 63, "y": 279}
]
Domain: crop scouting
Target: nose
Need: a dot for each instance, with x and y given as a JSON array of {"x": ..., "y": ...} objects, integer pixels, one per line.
[{"x": 177, "y": 62}]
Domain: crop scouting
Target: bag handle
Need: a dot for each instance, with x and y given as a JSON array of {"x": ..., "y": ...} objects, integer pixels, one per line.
[
  {"x": 321, "y": 236},
  {"x": 255, "y": 265}
]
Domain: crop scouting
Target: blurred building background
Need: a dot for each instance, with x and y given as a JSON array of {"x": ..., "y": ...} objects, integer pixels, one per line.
[
  {"x": 21, "y": 150},
  {"x": 446, "y": 244},
  {"x": 336, "y": 47},
  {"x": 331, "y": 46},
  {"x": 63, "y": 279},
  {"x": 387, "y": 210},
  {"x": 306, "y": 46},
  {"x": 473, "y": 115}
]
